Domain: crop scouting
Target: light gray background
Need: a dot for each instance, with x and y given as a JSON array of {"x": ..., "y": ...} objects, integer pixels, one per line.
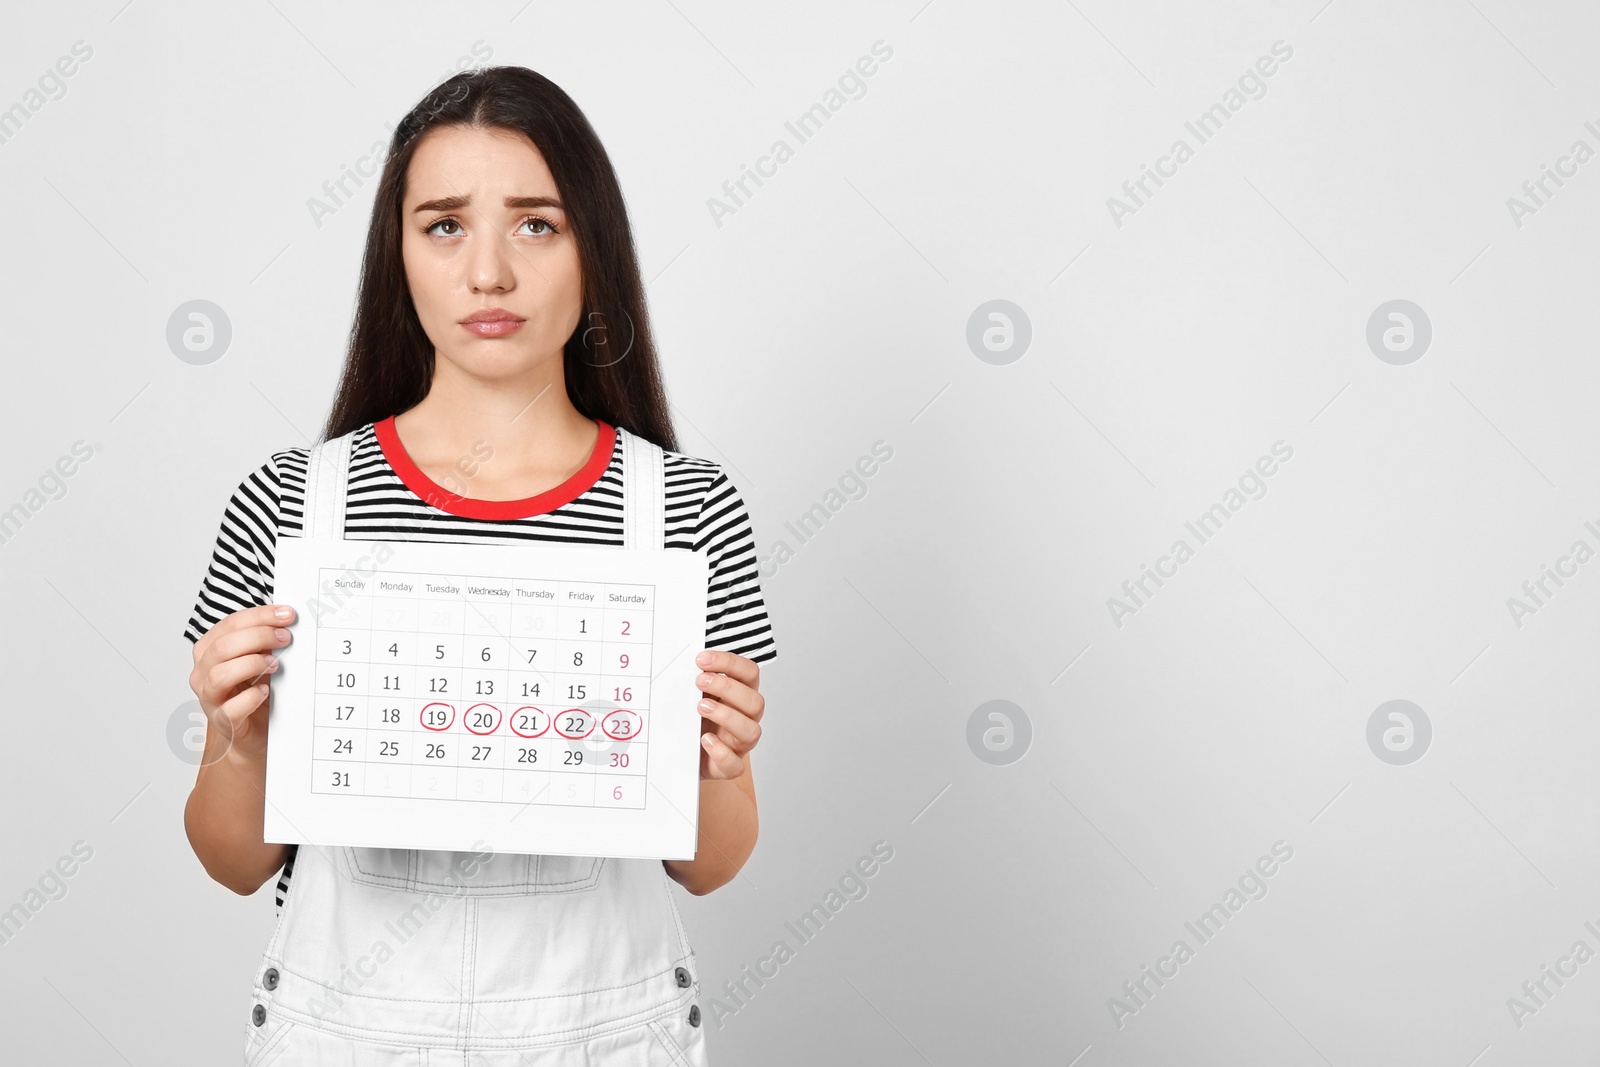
[{"x": 830, "y": 312}]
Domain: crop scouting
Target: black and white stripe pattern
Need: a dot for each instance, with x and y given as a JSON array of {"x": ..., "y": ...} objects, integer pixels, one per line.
[{"x": 704, "y": 511}]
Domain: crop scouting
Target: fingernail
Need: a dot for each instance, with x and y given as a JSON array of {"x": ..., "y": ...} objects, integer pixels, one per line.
[
  {"x": 283, "y": 612},
  {"x": 707, "y": 740},
  {"x": 704, "y": 658},
  {"x": 281, "y": 634},
  {"x": 703, "y": 681},
  {"x": 272, "y": 662},
  {"x": 704, "y": 705}
]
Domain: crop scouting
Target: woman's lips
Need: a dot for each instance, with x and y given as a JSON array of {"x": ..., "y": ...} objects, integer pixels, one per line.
[
  {"x": 494, "y": 327},
  {"x": 496, "y": 323}
]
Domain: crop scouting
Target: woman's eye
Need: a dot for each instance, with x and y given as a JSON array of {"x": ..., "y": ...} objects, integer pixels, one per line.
[{"x": 540, "y": 227}]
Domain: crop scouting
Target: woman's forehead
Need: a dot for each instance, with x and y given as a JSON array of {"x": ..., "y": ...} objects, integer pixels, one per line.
[{"x": 483, "y": 165}]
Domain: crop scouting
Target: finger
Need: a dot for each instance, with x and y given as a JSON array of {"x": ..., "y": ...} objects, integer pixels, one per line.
[
  {"x": 236, "y": 709},
  {"x": 268, "y": 615},
  {"x": 248, "y": 639},
  {"x": 737, "y": 729},
  {"x": 225, "y": 677},
  {"x": 722, "y": 733},
  {"x": 736, "y": 666},
  {"x": 730, "y": 690},
  {"x": 722, "y": 762}
]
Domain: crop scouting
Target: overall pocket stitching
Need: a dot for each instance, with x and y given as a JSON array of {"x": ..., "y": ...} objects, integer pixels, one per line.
[
  {"x": 359, "y": 874},
  {"x": 259, "y": 1055},
  {"x": 526, "y": 885},
  {"x": 664, "y": 1037},
  {"x": 536, "y": 867}
]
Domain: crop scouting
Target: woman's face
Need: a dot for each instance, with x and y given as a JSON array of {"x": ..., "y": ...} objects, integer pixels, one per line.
[{"x": 483, "y": 229}]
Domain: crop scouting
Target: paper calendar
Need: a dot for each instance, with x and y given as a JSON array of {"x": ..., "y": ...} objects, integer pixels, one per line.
[{"x": 537, "y": 697}]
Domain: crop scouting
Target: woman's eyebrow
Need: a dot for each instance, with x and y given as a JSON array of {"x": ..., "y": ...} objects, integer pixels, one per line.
[{"x": 456, "y": 203}]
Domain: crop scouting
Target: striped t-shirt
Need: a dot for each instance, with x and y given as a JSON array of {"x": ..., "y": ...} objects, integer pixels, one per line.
[{"x": 391, "y": 499}]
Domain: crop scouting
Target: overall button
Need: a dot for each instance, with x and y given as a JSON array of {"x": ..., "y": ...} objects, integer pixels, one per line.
[
  {"x": 270, "y": 979},
  {"x": 258, "y": 1014},
  {"x": 681, "y": 974},
  {"x": 694, "y": 1015}
]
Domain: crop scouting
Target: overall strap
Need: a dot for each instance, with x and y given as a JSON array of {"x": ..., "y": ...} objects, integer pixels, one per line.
[
  {"x": 327, "y": 478},
  {"x": 644, "y": 498}
]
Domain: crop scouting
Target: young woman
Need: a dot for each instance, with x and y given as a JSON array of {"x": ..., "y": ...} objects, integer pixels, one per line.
[{"x": 500, "y": 358}]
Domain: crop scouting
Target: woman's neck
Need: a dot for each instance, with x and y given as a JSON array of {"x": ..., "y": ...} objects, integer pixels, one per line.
[{"x": 504, "y": 441}]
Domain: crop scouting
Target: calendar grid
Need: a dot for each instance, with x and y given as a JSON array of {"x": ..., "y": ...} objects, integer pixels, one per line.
[{"x": 417, "y": 678}]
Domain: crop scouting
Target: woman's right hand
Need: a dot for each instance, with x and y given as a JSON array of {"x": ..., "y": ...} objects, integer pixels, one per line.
[{"x": 232, "y": 664}]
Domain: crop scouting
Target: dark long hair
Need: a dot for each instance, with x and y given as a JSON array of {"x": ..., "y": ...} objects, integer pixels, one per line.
[{"x": 609, "y": 361}]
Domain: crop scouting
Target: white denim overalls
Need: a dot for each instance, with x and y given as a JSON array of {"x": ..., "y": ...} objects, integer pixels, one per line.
[{"x": 395, "y": 956}]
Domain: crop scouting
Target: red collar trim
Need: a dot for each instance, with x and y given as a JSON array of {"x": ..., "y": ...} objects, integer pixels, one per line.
[{"x": 438, "y": 496}]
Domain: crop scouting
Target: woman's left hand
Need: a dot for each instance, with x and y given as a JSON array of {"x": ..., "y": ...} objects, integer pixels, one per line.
[{"x": 730, "y": 712}]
